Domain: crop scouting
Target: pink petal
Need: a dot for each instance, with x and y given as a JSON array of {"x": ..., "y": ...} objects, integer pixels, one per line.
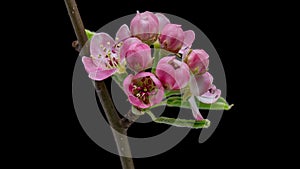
[
  {"x": 100, "y": 40},
  {"x": 156, "y": 81},
  {"x": 142, "y": 74},
  {"x": 123, "y": 33},
  {"x": 126, "y": 84},
  {"x": 158, "y": 97},
  {"x": 182, "y": 76},
  {"x": 162, "y": 20},
  {"x": 196, "y": 113},
  {"x": 127, "y": 45},
  {"x": 89, "y": 64},
  {"x": 166, "y": 74},
  {"x": 101, "y": 74},
  {"x": 201, "y": 83},
  {"x": 137, "y": 102},
  {"x": 211, "y": 96},
  {"x": 189, "y": 37}
]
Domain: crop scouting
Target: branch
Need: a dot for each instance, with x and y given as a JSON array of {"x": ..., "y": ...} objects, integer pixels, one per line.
[
  {"x": 76, "y": 21},
  {"x": 128, "y": 119},
  {"x": 119, "y": 132}
]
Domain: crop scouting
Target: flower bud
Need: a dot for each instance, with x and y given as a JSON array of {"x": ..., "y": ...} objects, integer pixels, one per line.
[
  {"x": 198, "y": 61},
  {"x": 171, "y": 38},
  {"x": 173, "y": 73},
  {"x": 137, "y": 54},
  {"x": 145, "y": 26},
  {"x": 201, "y": 83}
]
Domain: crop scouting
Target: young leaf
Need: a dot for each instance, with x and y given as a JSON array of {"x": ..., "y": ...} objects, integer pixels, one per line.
[
  {"x": 183, "y": 122},
  {"x": 180, "y": 122},
  {"x": 89, "y": 34},
  {"x": 220, "y": 104}
]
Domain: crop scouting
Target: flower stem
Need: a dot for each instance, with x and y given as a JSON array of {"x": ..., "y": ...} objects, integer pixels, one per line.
[
  {"x": 119, "y": 127},
  {"x": 156, "y": 55}
]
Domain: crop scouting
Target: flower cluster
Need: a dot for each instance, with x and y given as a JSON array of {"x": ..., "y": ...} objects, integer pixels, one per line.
[{"x": 146, "y": 87}]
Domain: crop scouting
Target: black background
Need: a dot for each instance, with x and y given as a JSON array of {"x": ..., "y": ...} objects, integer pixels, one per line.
[{"x": 233, "y": 28}]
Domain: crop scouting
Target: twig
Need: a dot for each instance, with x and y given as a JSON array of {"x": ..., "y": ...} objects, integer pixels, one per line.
[{"x": 118, "y": 128}]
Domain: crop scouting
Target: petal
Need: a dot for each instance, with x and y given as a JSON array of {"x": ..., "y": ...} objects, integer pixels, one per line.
[
  {"x": 182, "y": 76},
  {"x": 123, "y": 33},
  {"x": 189, "y": 37},
  {"x": 211, "y": 96},
  {"x": 89, "y": 64},
  {"x": 162, "y": 20},
  {"x": 166, "y": 74},
  {"x": 126, "y": 84},
  {"x": 201, "y": 83},
  {"x": 137, "y": 102},
  {"x": 101, "y": 74},
  {"x": 127, "y": 45},
  {"x": 99, "y": 42},
  {"x": 156, "y": 81},
  {"x": 196, "y": 113},
  {"x": 142, "y": 74},
  {"x": 158, "y": 97}
]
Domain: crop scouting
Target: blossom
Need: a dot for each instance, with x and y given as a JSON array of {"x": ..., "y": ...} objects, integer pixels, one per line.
[
  {"x": 173, "y": 73},
  {"x": 143, "y": 89},
  {"x": 202, "y": 88},
  {"x": 173, "y": 38},
  {"x": 105, "y": 59},
  {"x": 137, "y": 54},
  {"x": 201, "y": 83},
  {"x": 211, "y": 96},
  {"x": 147, "y": 25},
  {"x": 197, "y": 60}
]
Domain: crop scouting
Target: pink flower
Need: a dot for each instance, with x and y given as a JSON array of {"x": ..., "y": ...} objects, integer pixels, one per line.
[
  {"x": 143, "y": 90},
  {"x": 137, "y": 54},
  {"x": 105, "y": 59},
  {"x": 173, "y": 38},
  {"x": 201, "y": 86},
  {"x": 173, "y": 73},
  {"x": 197, "y": 60},
  {"x": 201, "y": 83},
  {"x": 211, "y": 96},
  {"x": 145, "y": 26}
]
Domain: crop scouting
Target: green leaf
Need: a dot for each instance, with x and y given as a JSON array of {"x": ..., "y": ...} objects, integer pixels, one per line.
[
  {"x": 169, "y": 93},
  {"x": 180, "y": 122},
  {"x": 183, "y": 122},
  {"x": 89, "y": 34},
  {"x": 220, "y": 104}
]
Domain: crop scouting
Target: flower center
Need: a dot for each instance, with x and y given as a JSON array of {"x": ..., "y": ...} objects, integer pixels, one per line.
[
  {"x": 110, "y": 59},
  {"x": 142, "y": 88}
]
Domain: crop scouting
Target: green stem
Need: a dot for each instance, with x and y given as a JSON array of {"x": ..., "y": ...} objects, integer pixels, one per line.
[
  {"x": 156, "y": 55},
  {"x": 119, "y": 78}
]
